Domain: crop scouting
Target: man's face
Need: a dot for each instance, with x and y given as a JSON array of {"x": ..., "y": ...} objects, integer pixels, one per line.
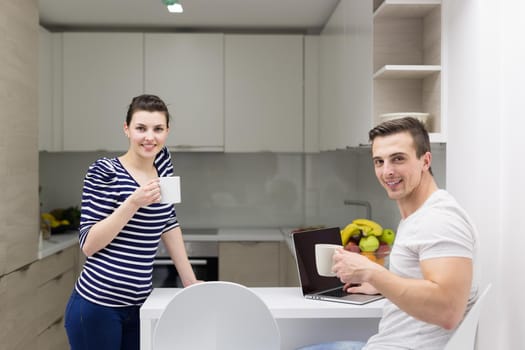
[{"x": 396, "y": 165}]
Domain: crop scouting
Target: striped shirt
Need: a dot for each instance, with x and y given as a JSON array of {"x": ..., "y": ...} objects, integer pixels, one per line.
[{"x": 120, "y": 273}]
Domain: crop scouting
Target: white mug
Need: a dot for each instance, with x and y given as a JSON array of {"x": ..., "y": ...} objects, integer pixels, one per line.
[
  {"x": 323, "y": 258},
  {"x": 170, "y": 189}
]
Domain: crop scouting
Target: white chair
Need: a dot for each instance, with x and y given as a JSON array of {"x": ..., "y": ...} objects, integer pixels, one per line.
[
  {"x": 216, "y": 315},
  {"x": 464, "y": 337}
]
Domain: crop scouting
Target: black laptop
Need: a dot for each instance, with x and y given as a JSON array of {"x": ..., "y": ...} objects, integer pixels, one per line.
[{"x": 313, "y": 285}]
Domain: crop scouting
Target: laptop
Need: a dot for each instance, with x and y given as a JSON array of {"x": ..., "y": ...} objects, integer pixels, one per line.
[{"x": 319, "y": 287}]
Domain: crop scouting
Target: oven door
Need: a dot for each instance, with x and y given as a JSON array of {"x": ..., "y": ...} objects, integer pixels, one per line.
[{"x": 165, "y": 274}]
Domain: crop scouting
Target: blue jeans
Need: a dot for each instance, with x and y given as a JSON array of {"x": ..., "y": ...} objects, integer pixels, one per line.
[
  {"x": 95, "y": 327},
  {"x": 338, "y": 345}
]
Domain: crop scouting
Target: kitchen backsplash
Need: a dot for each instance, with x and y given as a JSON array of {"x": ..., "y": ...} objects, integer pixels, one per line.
[{"x": 250, "y": 189}]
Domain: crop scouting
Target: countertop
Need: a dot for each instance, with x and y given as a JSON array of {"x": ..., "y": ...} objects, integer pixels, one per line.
[
  {"x": 57, "y": 243},
  {"x": 65, "y": 240}
]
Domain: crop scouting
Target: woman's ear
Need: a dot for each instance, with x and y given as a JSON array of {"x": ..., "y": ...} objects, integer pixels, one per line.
[{"x": 126, "y": 130}]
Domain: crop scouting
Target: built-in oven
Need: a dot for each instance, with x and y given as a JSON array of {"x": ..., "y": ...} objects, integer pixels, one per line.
[{"x": 202, "y": 254}]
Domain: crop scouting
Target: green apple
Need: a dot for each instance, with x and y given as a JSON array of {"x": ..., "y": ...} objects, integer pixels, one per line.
[
  {"x": 388, "y": 236},
  {"x": 369, "y": 244}
]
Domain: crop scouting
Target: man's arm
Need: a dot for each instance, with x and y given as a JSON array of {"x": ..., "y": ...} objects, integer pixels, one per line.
[{"x": 439, "y": 298}]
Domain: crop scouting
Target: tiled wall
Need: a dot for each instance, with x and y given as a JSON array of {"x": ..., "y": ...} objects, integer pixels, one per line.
[{"x": 250, "y": 189}]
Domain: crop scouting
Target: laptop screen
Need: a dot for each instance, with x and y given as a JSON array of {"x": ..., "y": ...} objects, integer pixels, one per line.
[{"x": 304, "y": 244}]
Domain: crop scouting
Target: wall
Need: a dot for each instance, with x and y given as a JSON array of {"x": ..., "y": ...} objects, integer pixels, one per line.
[
  {"x": 249, "y": 189},
  {"x": 485, "y": 145}
]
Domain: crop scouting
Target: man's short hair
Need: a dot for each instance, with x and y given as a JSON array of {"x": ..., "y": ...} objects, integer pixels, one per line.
[{"x": 407, "y": 124}]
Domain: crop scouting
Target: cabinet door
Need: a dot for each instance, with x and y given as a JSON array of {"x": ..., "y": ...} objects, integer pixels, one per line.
[
  {"x": 264, "y": 93},
  {"x": 346, "y": 76},
  {"x": 101, "y": 74},
  {"x": 187, "y": 72},
  {"x": 18, "y": 305},
  {"x": 45, "y": 88},
  {"x": 253, "y": 264}
]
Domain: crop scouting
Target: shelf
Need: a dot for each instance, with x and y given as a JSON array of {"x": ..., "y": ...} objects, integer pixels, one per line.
[
  {"x": 405, "y": 8},
  {"x": 406, "y": 71}
]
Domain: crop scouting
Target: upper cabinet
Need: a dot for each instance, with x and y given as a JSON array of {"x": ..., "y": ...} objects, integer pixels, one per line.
[
  {"x": 186, "y": 71},
  {"x": 345, "y": 76},
  {"x": 101, "y": 74},
  {"x": 263, "y": 93},
  {"x": 407, "y": 61}
]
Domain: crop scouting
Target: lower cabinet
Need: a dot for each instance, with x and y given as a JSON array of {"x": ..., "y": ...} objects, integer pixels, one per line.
[
  {"x": 56, "y": 279},
  {"x": 256, "y": 264}
]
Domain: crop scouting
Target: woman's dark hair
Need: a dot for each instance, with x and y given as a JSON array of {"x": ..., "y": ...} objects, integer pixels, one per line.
[
  {"x": 150, "y": 103},
  {"x": 408, "y": 124}
]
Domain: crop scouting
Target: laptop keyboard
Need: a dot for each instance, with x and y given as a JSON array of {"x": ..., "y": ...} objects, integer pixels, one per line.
[{"x": 339, "y": 292}]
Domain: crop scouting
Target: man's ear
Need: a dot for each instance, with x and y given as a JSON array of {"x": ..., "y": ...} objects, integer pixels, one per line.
[{"x": 427, "y": 160}]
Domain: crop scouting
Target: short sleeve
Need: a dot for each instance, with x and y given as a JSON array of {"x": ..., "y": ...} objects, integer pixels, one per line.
[{"x": 100, "y": 195}]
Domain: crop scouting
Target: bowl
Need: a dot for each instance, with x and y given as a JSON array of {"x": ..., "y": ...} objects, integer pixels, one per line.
[
  {"x": 422, "y": 117},
  {"x": 382, "y": 257}
]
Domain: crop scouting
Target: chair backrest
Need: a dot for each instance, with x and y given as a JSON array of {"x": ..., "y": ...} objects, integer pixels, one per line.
[
  {"x": 216, "y": 315},
  {"x": 464, "y": 337}
]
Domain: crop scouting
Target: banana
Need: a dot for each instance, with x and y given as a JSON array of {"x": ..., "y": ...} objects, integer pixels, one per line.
[
  {"x": 369, "y": 227},
  {"x": 350, "y": 230}
]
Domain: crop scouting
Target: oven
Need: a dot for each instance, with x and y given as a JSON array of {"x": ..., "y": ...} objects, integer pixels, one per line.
[{"x": 202, "y": 254}]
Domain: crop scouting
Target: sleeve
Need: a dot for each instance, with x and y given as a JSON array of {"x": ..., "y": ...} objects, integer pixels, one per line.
[
  {"x": 100, "y": 196},
  {"x": 447, "y": 234},
  {"x": 165, "y": 168},
  {"x": 163, "y": 163}
]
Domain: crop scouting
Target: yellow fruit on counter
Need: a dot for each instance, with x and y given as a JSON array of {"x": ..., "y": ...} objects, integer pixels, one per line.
[
  {"x": 369, "y": 227},
  {"x": 349, "y": 231}
]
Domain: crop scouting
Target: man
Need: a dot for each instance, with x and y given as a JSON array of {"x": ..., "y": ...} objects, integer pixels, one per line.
[{"x": 432, "y": 279}]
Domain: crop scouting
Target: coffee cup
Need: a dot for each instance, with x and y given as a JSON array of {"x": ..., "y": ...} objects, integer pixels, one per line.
[
  {"x": 169, "y": 189},
  {"x": 323, "y": 258}
]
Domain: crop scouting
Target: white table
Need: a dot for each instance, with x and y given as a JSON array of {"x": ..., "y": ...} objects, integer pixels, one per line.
[{"x": 300, "y": 321}]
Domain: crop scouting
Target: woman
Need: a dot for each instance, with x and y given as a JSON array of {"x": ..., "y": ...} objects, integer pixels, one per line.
[{"x": 121, "y": 224}]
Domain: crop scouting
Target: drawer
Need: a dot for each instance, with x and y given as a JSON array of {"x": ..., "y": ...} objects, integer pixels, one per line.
[
  {"x": 17, "y": 308},
  {"x": 52, "y": 298},
  {"x": 54, "y": 265},
  {"x": 53, "y": 338}
]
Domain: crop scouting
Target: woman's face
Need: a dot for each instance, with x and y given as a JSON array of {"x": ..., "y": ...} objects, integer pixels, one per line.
[{"x": 147, "y": 133}]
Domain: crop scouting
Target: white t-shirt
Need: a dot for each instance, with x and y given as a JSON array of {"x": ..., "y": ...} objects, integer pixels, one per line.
[{"x": 440, "y": 228}]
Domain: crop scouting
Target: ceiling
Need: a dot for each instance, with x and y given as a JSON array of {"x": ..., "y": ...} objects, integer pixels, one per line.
[{"x": 305, "y": 16}]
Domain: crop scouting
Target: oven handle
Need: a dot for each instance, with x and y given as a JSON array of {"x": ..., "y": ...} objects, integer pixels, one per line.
[{"x": 195, "y": 262}]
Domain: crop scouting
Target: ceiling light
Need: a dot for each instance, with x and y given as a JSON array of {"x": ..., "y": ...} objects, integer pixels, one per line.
[{"x": 174, "y": 6}]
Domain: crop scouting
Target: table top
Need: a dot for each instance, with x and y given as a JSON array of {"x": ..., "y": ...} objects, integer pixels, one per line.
[{"x": 284, "y": 302}]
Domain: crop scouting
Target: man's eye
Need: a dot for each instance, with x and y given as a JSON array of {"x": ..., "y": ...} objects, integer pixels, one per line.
[{"x": 378, "y": 162}]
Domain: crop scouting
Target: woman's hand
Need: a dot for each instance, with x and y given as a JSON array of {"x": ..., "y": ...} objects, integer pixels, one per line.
[{"x": 147, "y": 194}]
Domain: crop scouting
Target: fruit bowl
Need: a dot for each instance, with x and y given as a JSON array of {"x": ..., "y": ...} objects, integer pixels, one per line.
[{"x": 381, "y": 257}]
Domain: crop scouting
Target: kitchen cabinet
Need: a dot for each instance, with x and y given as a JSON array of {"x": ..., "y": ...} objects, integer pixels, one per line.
[
  {"x": 101, "y": 74},
  {"x": 56, "y": 279},
  {"x": 311, "y": 94},
  {"x": 407, "y": 61},
  {"x": 33, "y": 301},
  {"x": 49, "y": 91},
  {"x": 18, "y": 303},
  {"x": 256, "y": 263},
  {"x": 345, "y": 76},
  {"x": 186, "y": 71},
  {"x": 263, "y": 93}
]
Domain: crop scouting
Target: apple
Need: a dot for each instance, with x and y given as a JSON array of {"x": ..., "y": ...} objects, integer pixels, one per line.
[
  {"x": 388, "y": 236},
  {"x": 351, "y": 246}
]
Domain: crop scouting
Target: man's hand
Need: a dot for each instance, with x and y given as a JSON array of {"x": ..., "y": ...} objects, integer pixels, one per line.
[{"x": 353, "y": 268}]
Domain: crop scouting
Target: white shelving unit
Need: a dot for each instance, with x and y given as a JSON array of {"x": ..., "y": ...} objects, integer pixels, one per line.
[{"x": 407, "y": 61}]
